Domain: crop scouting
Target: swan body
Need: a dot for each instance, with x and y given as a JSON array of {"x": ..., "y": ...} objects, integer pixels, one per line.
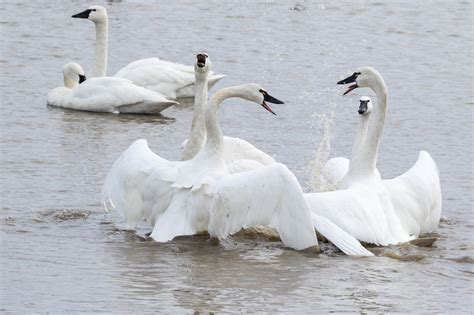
[
  {"x": 379, "y": 211},
  {"x": 240, "y": 152},
  {"x": 334, "y": 171},
  {"x": 170, "y": 79},
  {"x": 107, "y": 94}
]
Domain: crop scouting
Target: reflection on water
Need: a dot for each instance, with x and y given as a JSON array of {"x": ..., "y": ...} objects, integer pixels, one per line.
[{"x": 61, "y": 252}]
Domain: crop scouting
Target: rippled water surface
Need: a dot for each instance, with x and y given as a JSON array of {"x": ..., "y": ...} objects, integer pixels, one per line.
[{"x": 60, "y": 252}]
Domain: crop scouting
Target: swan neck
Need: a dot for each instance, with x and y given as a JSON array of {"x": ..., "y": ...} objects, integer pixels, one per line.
[
  {"x": 197, "y": 136},
  {"x": 363, "y": 163},
  {"x": 100, "y": 54},
  {"x": 70, "y": 83},
  {"x": 360, "y": 137},
  {"x": 215, "y": 138},
  {"x": 374, "y": 135}
]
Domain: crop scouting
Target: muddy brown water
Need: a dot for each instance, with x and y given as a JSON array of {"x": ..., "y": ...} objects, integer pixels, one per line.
[{"x": 61, "y": 252}]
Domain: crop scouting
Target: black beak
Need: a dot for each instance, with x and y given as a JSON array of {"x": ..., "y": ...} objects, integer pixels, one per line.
[
  {"x": 82, "y": 78},
  {"x": 83, "y": 14},
  {"x": 201, "y": 60},
  {"x": 363, "y": 107},
  {"x": 350, "y": 79},
  {"x": 268, "y": 98}
]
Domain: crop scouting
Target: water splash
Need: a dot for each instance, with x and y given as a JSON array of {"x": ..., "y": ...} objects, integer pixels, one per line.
[{"x": 319, "y": 180}]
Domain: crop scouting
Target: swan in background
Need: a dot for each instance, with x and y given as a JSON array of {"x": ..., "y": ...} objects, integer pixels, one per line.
[
  {"x": 376, "y": 211},
  {"x": 112, "y": 95},
  {"x": 173, "y": 80},
  {"x": 239, "y": 154}
]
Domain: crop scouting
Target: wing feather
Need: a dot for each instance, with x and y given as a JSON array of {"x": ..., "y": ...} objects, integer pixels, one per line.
[{"x": 269, "y": 196}]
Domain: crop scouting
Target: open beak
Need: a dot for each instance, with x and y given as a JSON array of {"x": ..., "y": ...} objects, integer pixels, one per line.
[
  {"x": 270, "y": 99},
  {"x": 82, "y": 15},
  {"x": 201, "y": 60},
  {"x": 82, "y": 78},
  {"x": 348, "y": 80}
]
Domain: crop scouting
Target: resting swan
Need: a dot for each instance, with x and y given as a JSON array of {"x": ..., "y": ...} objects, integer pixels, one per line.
[
  {"x": 239, "y": 154},
  {"x": 112, "y": 95},
  {"x": 173, "y": 80},
  {"x": 376, "y": 211},
  {"x": 188, "y": 197}
]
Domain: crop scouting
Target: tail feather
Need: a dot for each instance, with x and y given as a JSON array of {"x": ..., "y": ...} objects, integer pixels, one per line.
[{"x": 343, "y": 240}]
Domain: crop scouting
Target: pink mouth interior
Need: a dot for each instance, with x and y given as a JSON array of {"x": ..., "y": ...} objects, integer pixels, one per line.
[
  {"x": 264, "y": 104},
  {"x": 352, "y": 87}
]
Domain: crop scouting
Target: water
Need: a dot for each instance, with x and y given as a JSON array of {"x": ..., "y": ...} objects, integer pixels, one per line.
[{"x": 60, "y": 252}]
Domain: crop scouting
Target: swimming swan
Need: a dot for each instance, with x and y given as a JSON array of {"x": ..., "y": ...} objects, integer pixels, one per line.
[
  {"x": 112, "y": 95},
  {"x": 376, "y": 211},
  {"x": 239, "y": 154},
  {"x": 176, "y": 197},
  {"x": 173, "y": 80}
]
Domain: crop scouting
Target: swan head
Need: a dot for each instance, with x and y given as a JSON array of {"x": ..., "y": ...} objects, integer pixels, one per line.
[
  {"x": 95, "y": 13},
  {"x": 363, "y": 77},
  {"x": 73, "y": 74},
  {"x": 255, "y": 93},
  {"x": 203, "y": 63},
  {"x": 365, "y": 107}
]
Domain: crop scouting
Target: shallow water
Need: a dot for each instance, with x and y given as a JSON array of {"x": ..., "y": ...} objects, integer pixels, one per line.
[{"x": 61, "y": 252}]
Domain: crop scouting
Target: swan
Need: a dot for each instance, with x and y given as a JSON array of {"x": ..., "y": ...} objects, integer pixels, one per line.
[
  {"x": 378, "y": 211},
  {"x": 336, "y": 168},
  {"x": 177, "y": 197},
  {"x": 239, "y": 154},
  {"x": 112, "y": 95},
  {"x": 173, "y": 80}
]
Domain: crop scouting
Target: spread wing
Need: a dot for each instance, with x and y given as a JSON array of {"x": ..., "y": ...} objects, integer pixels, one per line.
[
  {"x": 416, "y": 195},
  {"x": 125, "y": 187},
  {"x": 269, "y": 196}
]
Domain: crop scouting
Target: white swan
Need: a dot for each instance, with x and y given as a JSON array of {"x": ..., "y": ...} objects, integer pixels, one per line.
[
  {"x": 336, "y": 168},
  {"x": 176, "y": 197},
  {"x": 376, "y": 211},
  {"x": 112, "y": 95},
  {"x": 239, "y": 154},
  {"x": 170, "y": 79}
]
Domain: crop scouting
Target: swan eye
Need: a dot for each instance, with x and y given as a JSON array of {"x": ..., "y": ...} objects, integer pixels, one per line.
[
  {"x": 94, "y": 10},
  {"x": 263, "y": 92}
]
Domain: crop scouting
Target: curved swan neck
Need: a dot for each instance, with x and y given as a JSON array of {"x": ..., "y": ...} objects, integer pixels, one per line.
[
  {"x": 100, "y": 53},
  {"x": 374, "y": 135},
  {"x": 215, "y": 139},
  {"x": 363, "y": 164},
  {"x": 197, "y": 136}
]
